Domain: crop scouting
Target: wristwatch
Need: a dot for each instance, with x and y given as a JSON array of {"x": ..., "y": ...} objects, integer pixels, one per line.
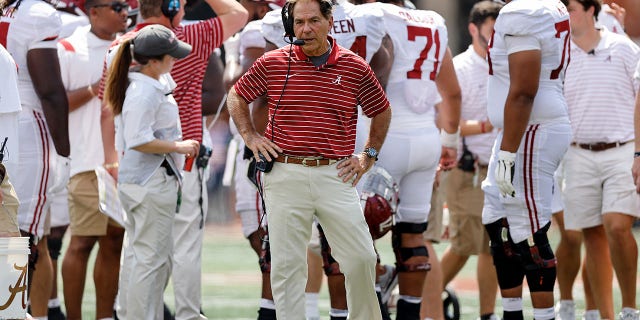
[{"x": 371, "y": 152}]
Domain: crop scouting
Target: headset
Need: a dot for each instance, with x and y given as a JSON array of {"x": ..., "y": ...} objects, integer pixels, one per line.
[
  {"x": 287, "y": 22},
  {"x": 170, "y": 8}
]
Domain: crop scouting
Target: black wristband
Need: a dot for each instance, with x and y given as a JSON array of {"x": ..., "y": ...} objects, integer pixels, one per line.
[{"x": 636, "y": 154}]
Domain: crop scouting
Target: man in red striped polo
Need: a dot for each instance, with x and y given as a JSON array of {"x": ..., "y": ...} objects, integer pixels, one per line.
[{"x": 313, "y": 90}]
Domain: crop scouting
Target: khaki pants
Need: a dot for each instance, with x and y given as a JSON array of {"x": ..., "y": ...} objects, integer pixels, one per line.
[
  {"x": 293, "y": 195},
  {"x": 146, "y": 261}
]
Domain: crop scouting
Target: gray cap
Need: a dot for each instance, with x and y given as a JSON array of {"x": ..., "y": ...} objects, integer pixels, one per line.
[{"x": 158, "y": 40}]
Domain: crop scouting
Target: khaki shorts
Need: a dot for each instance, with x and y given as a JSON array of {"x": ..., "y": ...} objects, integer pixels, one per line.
[
  {"x": 596, "y": 183},
  {"x": 434, "y": 226},
  {"x": 8, "y": 208},
  {"x": 84, "y": 215},
  {"x": 465, "y": 201}
]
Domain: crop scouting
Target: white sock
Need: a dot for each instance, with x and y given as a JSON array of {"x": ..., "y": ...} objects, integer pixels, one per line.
[
  {"x": 591, "y": 315},
  {"x": 570, "y": 303},
  {"x": 40, "y": 318},
  {"x": 267, "y": 304},
  {"x": 628, "y": 310},
  {"x": 105, "y": 319},
  {"x": 311, "y": 304},
  {"x": 53, "y": 303},
  {"x": 512, "y": 304},
  {"x": 410, "y": 299},
  {"x": 338, "y": 312},
  {"x": 544, "y": 313}
]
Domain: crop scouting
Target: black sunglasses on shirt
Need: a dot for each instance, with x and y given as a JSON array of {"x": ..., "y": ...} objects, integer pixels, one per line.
[{"x": 116, "y": 6}]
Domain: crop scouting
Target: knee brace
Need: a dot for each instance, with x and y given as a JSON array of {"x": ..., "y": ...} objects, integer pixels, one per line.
[
  {"x": 54, "y": 241},
  {"x": 329, "y": 264},
  {"x": 404, "y": 255},
  {"x": 505, "y": 257},
  {"x": 265, "y": 255},
  {"x": 538, "y": 261}
]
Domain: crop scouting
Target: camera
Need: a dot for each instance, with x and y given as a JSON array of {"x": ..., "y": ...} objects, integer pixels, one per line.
[
  {"x": 203, "y": 156},
  {"x": 263, "y": 165}
]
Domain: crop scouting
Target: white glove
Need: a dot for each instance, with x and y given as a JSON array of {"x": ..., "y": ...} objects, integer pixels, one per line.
[
  {"x": 504, "y": 173},
  {"x": 60, "y": 176}
]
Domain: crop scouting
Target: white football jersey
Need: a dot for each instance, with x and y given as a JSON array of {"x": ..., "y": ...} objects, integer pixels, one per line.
[
  {"x": 545, "y": 23},
  {"x": 272, "y": 28},
  {"x": 420, "y": 42},
  {"x": 35, "y": 25},
  {"x": 357, "y": 28}
]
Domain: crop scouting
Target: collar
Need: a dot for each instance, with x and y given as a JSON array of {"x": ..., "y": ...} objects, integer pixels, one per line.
[
  {"x": 299, "y": 55},
  {"x": 165, "y": 84}
]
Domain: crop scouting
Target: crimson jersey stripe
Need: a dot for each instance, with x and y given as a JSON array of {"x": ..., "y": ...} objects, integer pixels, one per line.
[
  {"x": 44, "y": 178},
  {"x": 527, "y": 178},
  {"x": 67, "y": 45},
  {"x": 4, "y": 30}
]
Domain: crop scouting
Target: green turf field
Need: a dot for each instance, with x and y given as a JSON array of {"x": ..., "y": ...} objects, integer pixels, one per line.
[{"x": 231, "y": 280}]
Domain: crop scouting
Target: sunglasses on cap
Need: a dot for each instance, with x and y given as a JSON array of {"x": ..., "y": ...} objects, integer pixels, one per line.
[{"x": 116, "y": 6}]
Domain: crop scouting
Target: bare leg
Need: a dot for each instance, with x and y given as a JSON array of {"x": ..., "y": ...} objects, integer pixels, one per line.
[
  {"x": 451, "y": 264},
  {"x": 107, "y": 270},
  {"x": 599, "y": 270},
  {"x": 74, "y": 273},
  {"x": 487, "y": 283},
  {"x": 624, "y": 254},
  {"x": 42, "y": 281},
  {"x": 568, "y": 256},
  {"x": 431, "y": 306}
]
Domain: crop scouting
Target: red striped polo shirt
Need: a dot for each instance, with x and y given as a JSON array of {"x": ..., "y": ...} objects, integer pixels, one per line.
[
  {"x": 318, "y": 111},
  {"x": 188, "y": 73}
]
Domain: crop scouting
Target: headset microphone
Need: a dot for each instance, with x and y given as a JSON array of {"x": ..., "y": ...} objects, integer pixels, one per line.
[{"x": 289, "y": 40}]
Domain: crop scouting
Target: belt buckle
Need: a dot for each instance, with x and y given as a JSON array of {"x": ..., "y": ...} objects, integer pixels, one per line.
[{"x": 304, "y": 162}]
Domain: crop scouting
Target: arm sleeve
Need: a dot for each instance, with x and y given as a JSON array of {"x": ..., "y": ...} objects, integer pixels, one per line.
[
  {"x": 138, "y": 118},
  {"x": 46, "y": 25},
  {"x": 254, "y": 82},
  {"x": 205, "y": 36},
  {"x": 521, "y": 43},
  {"x": 251, "y": 37}
]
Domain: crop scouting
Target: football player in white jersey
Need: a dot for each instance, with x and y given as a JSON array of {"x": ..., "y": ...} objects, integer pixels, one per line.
[
  {"x": 29, "y": 30},
  {"x": 422, "y": 67},
  {"x": 527, "y": 55}
]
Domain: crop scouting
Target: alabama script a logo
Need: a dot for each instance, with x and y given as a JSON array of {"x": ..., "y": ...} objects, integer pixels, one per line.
[{"x": 20, "y": 286}]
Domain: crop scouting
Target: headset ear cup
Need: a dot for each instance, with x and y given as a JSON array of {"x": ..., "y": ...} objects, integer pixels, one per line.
[
  {"x": 170, "y": 8},
  {"x": 287, "y": 20}
]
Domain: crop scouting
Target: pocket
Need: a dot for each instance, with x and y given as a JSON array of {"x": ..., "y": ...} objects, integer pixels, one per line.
[{"x": 131, "y": 195}]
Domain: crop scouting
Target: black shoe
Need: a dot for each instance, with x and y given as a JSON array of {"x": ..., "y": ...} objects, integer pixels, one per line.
[
  {"x": 167, "y": 313},
  {"x": 266, "y": 314},
  {"x": 56, "y": 314}
]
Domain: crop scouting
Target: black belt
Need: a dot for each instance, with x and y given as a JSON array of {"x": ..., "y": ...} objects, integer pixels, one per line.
[
  {"x": 165, "y": 164},
  {"x": 599, "y": 146}
]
